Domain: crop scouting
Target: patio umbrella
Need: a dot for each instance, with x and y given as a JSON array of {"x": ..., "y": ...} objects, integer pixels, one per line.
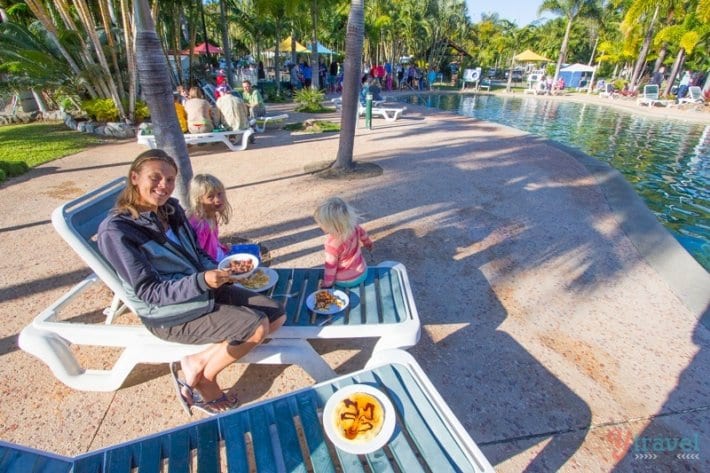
[
  {"x": 285, "y": 46},
  {"x": 529, "y": 56},
  {"x": 202, "y": 49}
]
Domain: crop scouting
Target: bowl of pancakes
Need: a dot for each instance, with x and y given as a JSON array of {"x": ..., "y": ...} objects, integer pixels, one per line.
[{"x": 359, "y": 419}]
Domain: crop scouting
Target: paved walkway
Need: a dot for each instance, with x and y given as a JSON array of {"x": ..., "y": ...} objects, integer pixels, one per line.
[{"x": 550, "y": 324}]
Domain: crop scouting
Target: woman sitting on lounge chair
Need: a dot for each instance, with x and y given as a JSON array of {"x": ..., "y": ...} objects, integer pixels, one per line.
[
  {"x": 200, "y": 115},
  {"x": 178, "y": 293}
]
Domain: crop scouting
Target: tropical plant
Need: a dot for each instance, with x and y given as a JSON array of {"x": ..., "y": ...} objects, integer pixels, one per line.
[
  {"x": 309, "y": 100},
  {"x": 570, "y": 10}
]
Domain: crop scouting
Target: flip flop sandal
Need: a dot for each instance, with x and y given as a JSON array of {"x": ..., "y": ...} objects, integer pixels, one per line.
[
  {"x": 210, "y": 407},
  {"x": 187, "y": 402}
]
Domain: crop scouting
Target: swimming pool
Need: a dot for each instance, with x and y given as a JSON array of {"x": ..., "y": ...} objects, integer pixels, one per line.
[{"x": 666, "y": 161}]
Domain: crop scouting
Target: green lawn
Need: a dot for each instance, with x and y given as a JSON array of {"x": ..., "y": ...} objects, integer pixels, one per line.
[{"x": 26, "y": 146}]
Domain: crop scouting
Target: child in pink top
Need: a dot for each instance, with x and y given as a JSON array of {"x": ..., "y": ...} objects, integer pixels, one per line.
[
  {"x": 344, "y": 264},
  {"x": 208, "y": 208}
]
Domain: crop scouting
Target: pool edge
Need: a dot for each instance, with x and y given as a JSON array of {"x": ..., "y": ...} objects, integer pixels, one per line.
[{"x": 686, "y": 277}]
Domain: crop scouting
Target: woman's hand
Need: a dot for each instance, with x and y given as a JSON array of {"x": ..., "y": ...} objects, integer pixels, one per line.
[{"x": 217, "y": 277}]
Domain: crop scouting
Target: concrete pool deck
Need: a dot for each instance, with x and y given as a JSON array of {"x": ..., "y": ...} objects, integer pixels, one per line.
[{"x": 553, "y": 321}]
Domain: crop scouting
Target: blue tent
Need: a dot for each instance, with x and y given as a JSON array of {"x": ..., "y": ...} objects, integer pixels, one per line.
[
  {"x": 321, "y": 49},
  {"x": 573, "y": 75}
]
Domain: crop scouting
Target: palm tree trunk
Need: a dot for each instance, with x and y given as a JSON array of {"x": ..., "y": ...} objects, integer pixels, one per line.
[
  {"x": 354, "y": 38},
  {"x": 152, "y": 72},
  {"x": 679, "y": 59},
  {"x": 225, "y": 41},
  {"x": 563, "y": 50},
  {"x": 661, "y": 57},
  {"x": 130, "y": 59},
  {"x": 105, "y": 19},
  {"x": 509, "y": 85},
  {"x": 90, "y": 26},
  {"x": 641, "y": 60},
  {"x": 315, "y": 63},
  {"x": 63, "y": 8},
  {"x": 41, "y": 14}
]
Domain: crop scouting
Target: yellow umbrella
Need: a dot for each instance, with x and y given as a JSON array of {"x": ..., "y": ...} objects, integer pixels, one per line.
[
  {"x": 285, "y": 46},
  {"x": 529, "y": 56}
]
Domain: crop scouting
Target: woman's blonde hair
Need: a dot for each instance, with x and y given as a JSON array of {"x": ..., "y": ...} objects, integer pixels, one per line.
[
  {"x": 195, "y": 93},
  {"x": 203, "y": 184},
  {"x": 336, "y": 217},
  {"x": 128, "y": 198}
]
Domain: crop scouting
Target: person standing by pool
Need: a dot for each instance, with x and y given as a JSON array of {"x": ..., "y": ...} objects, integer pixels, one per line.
[
  {"x": 176, "y": 288},
  {"x": 657, "y": 78},
  {"x": 332, "y": 76}
]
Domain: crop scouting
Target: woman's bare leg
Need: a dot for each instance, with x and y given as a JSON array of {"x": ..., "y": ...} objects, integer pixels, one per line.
[{"x": 201, "y": 369}]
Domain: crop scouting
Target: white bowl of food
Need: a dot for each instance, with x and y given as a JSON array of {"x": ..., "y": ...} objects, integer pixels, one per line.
[
  {"x": 359, "y": 419},
  {"x": 240, "y": 265}
]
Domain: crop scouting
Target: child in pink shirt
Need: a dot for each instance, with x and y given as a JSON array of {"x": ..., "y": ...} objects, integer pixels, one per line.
[
  {"x": 344, "y": 264},
  {"x": 208, "y": 208}
]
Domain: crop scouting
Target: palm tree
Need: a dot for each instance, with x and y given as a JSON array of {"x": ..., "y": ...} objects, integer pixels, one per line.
[
  {"x": 152, "y": 73},
  {"x": 686, "y": 36},
  {"x": 571, "y": 10},
  {"x": 279, "y": 11},
  {"x": 354, "y": 37}
]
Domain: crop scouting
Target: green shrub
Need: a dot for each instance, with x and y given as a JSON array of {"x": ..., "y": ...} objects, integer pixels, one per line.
[
  {"x": 104, "y": 110},
  {"x": 3, "y": 176},
  {"x": 619, "y": 84},
  {"x": 13, "y": 168},
  {"x": 100, "y": 110},
  {"x": 309, "y": 101},
  {"x": 269, "y": 92},
  {"x": 142, "y": 112}
]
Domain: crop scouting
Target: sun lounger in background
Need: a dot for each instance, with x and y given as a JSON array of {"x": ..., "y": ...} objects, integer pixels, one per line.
[
  {"x": 609, "y": 92},
  {"x": 338, "y": 102},
  {"x": 695, "y": 96},
  {"x": 536, "y": 88},
  {"x": 390, "y": 114},
  {"x": 198, "y": 138},
  {"x": 286, "y": 433},
  {"x": 382, "y": 307},
  {"x": 651, "y": 96},
  {"x": 261, "y": 122}
]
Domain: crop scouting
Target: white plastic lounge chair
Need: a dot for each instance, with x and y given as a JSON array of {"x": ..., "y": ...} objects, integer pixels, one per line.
[
  {"x": 381, "y": 307},
  {"x": 211, "y": 137},
  {"x": 608, "y": 92},
  {"x": 261, "y": 122},
  {"x": 390, "y": 114},
  {"x": 536, "y": 88},
  {"x": 338, "y": 102},
  {"x": 695, "y": 95},
  {"x": 286, "y": 433},
  {"x": 210, "y": 93},
  {"x": 651, "y": 97}
]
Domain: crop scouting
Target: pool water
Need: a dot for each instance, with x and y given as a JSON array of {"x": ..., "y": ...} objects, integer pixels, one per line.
[{"x": 666, "y": 161}]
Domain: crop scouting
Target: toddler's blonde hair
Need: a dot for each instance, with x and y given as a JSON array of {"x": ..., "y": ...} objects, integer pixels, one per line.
[
  {"x": 336, "y": 217},
  {"x": 201, "y": 185}
]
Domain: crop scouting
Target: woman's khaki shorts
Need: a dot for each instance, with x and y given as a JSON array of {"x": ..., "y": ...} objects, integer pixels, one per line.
[{"x": 237, "y": 314}]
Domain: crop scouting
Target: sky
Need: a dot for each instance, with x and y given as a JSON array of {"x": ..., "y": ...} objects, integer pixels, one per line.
[{"x": 522, "y": 12}]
